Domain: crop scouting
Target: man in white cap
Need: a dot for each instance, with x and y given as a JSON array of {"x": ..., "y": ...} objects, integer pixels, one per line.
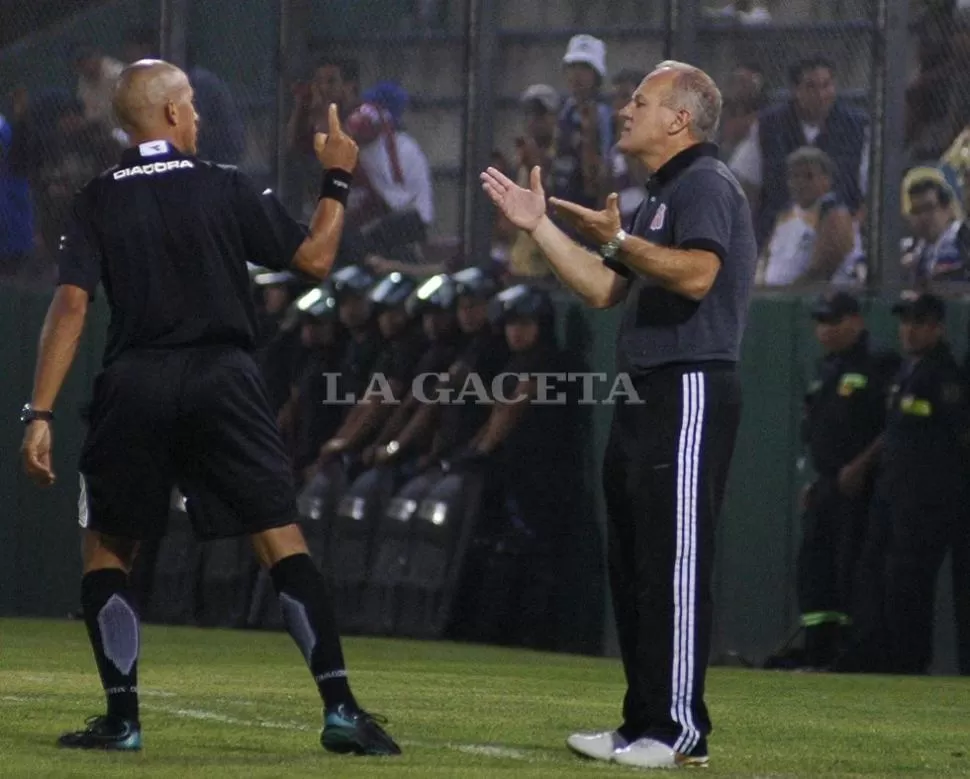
[{"x": 584, "y": 137}]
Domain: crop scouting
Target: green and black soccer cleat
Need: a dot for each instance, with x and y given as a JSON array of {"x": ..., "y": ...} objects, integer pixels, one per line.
[
  {"x": 110, "y": 733},
  {"x": 347, "y": 730}
]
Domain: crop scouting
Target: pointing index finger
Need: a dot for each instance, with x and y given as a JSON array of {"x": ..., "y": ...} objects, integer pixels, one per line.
[{"x": 334, "y": 119}]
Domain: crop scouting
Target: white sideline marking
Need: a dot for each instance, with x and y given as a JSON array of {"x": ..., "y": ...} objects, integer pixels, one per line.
[
  {"x": 483, "y": 750},
  {"x": 225, "y": 719},
  {"x": 490, "y": 751}
]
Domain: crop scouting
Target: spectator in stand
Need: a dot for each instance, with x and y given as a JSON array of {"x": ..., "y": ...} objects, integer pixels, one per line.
[
  {"x": 332, "y": 80},
  {"x": 628, "y": 177},
  {"x": 391, "y": 206},
  {"x": 222, "y": 133},
  {"x": 814, "y": 116},
  {"x": 741, "y": 11},
  {"x": 97, "y": 76},
  {"x": 937, "y": 103},
  {"x": 942, "y": 240},
  {"x": 60, "y": 151},
  {"x": 541, "y": 105},
  {"x": 580, "y": 171},
  {"x": 16, "y": 215},
  {"x": 816, "y": 238},
  {"x": 744, "y": 97}
]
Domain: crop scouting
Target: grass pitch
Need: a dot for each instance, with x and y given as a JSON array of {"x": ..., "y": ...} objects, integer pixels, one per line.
[{"x": 230, "y": 703}]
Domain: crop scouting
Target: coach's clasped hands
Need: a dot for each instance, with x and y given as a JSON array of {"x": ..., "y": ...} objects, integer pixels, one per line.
[
  {"x": 36, "y": 453},
  {"x": 334, "y": 148},
  {"x": 525, "y": 207}
]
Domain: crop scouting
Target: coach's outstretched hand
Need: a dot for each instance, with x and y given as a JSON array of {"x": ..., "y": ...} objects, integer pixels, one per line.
[
  {"x": 522, "y": 207},
  {"x": 36, "y": 452},
  {"x": 598, "y": 226},
  {"x": 335, "y": 149}
]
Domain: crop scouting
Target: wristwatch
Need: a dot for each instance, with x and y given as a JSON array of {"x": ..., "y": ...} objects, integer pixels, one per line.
[
  {"x": 29, "y": 414},
  {"x": 609, "y": 250}
]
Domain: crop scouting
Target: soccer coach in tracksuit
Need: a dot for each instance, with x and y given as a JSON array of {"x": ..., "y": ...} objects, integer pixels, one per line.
[
  {"x": 180, "y": 399},
  {"x": 684, "y": 273}
]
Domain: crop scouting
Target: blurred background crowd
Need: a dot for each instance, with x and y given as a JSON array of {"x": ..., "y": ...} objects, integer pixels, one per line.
[
  {"x": 806, "y": 88},
  {"x": 847, "y": 122}
]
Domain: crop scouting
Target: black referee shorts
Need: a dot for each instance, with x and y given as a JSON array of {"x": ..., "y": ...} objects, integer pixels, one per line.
[{"x": 197, "y": 418}]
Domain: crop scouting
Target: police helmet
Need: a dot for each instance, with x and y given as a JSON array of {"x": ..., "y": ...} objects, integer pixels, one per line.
[
  {"x": 391, "y": 291},
  {"x": 318, "y": 304},
  {"x": 475, "y": 282},
  {"x": 352, "y": 278},
  {"x": 521, "y": 300},
  {"x": 437, "y": 293}
]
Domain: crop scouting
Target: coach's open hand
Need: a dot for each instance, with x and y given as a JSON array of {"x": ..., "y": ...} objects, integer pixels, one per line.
[
  {"x": 335, "y": 149},
  {"x": 598, "y": 226},
  {"x": 36, "y": 451},
  {"x": 522, "y": 207}
]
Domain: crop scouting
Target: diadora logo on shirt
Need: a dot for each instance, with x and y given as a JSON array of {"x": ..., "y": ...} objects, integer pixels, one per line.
[
  {"x": 658, "y": 218},
  {"x": 151, "y": 168}
]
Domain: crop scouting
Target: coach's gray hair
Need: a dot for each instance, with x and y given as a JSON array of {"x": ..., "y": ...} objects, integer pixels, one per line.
[{"x": 694, "y": 91}]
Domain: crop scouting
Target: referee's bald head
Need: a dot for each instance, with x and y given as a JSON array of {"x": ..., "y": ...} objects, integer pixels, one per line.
[{"x": 153, "y": 101}]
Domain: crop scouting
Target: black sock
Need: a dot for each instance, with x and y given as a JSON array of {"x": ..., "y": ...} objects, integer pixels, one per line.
[
  {"x": 309, "y": 618},
  {"x": 113, "y": 629}
]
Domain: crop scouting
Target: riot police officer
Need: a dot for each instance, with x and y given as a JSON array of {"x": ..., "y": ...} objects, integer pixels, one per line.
[{"x": 844, "y": 413}]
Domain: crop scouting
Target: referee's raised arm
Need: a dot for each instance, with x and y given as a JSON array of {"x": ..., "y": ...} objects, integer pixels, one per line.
[{"x": 337, "y": 153}]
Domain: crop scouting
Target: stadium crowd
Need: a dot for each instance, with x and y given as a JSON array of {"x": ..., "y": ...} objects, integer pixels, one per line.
[{"x": 405, "y": 303}]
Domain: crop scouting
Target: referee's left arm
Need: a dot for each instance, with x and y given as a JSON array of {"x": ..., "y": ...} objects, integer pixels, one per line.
[{"x": 79, "y": 272}]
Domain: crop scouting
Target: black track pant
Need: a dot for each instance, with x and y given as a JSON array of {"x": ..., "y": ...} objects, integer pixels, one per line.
[{"x": 664, "y": 475}]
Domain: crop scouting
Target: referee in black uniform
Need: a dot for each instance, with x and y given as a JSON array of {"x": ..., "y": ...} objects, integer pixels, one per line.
[
  {"x": 180, "y": 399},
  {"x": 684, "y": 274}
]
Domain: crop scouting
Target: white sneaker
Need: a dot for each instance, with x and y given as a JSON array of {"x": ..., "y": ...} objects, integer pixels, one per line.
[
  {"x": 649, "y": 753},
  {"x": 599, "y": 746}
]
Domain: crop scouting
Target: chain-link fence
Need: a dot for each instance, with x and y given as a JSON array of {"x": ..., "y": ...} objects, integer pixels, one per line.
[
  {"x": 562, "y": 72},
  {"x": 435, "y": 89}
]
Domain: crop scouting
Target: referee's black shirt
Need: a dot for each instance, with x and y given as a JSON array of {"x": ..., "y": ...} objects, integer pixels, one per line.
[
  {"x": 169, "y": 235},
  {"x": 693, "y": 202}
]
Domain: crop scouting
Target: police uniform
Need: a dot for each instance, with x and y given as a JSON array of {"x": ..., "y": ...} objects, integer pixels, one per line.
[
  {"x": 180, "y": 399},
  {"x": 845, "y": 410},
  {"x": 508, "y": 579},
  {"x": 667, "y": 458},
  {"x": 314, "y": 420},
  {"x": 919, "y": 502}
]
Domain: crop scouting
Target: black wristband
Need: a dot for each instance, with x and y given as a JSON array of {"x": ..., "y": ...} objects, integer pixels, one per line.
[{"x": 336, "y": 185}]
